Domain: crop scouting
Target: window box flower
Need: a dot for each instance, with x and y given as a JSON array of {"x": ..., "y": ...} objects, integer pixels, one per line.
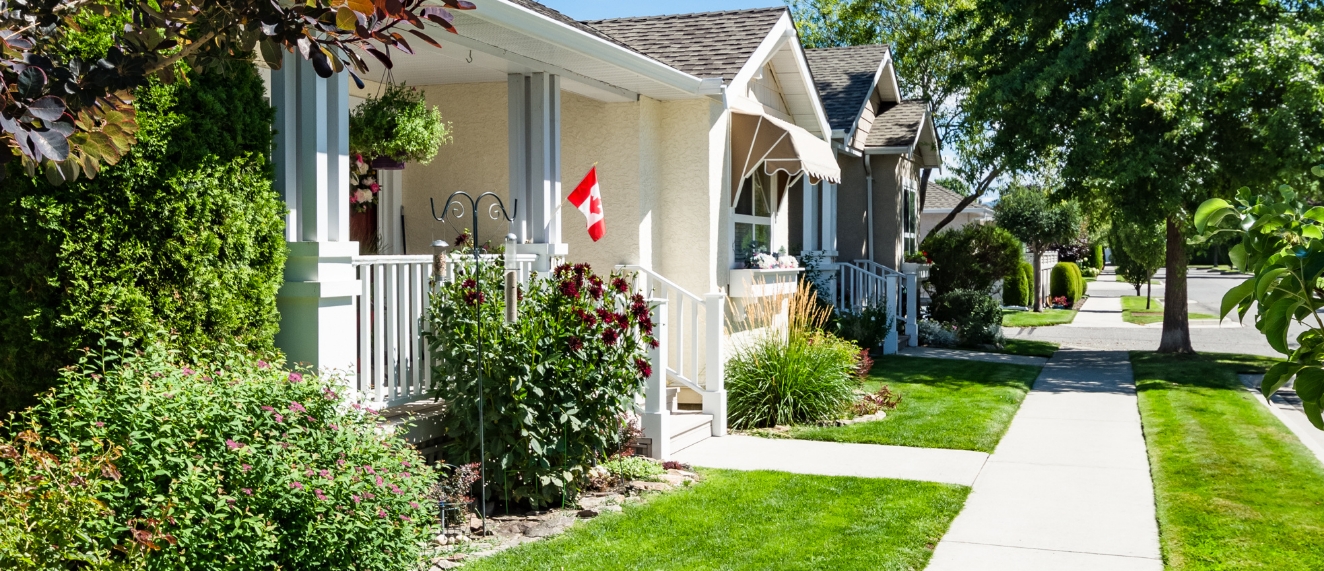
[{"x": 764, "y": 283}]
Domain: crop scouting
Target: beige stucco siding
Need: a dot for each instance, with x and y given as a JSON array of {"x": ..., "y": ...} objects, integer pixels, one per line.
[
  {"x": 852, "y": 210},
  {"x": 888, "y": 206}
]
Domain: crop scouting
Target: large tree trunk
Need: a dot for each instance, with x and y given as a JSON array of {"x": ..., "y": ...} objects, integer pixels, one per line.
[
  {"x": 1038, "y": 277},
  {"x": 924, "y": 188},
  {"x": 1176, "y": 322}
]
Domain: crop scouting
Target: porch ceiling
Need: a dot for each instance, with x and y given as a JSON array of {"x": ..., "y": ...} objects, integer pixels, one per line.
[{"x": 501, "y": 38}]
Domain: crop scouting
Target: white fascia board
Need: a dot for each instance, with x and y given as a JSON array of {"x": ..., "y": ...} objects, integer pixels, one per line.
[
  {"x": 523, "y": 20},
  {"x": 855, "y": 125},
  {"x": 782, "y": 34},
  {"x": 932, "y": 130},
  {"x": 889, "y": 150}
]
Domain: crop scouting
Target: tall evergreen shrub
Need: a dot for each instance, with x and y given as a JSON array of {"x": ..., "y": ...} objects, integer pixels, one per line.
[
  {"x": 1066, "y": 281},
  {"x": 185, "y": 234},
  {"x": 974, "y": 257},
  {"x": 1018, "y": 288}
]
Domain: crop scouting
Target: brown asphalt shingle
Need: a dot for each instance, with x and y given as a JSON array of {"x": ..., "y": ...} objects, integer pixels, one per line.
[
  {"x": 551, "y": 14},
  {"x": 705, "y": 45},
  {"x": 938, "y": 197},
  {"x": 844, "y": 77},
  {"x": 897, "y": 125}
]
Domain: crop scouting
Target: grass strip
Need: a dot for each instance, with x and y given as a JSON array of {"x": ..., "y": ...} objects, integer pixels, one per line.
[
  {"x": 1234, "y": 488},
  {"x": 1134, "y": 310},
  {"x": 757, "y": 520},
  {"x": 1048, "y": 317},
  {"x": 945, "y": 403}
]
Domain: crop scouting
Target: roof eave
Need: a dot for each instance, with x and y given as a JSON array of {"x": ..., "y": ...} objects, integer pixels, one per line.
[
  {"x": 877, "y": 76},
  {"x": 782, "y": 34},
  {"x": 511, "y": 16}
]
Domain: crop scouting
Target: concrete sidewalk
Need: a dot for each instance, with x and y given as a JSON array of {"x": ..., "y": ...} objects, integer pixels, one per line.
[
  {"x": 1068, "y": 486},
  {"x": 738, "y": 452}
]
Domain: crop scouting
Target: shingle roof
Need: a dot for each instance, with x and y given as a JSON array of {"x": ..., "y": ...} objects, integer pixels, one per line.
[
  {"x": 551, "y": 14},
  {"x": 897, "y": 125},
  {"x": 844, "y": 77},
  {"x": 705, "y": 45},
  {"x": 938, "y": 197}
]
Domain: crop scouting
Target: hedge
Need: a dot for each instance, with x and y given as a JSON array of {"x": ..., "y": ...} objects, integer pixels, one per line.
[
  {"x": 184, "y": 235},
  {"x": 1018, "y": 288},
  {"x": 1066, "y": 281},
  {"x": 973, "y": 257}
]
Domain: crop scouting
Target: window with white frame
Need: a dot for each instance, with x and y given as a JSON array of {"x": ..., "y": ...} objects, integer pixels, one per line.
[
  {"x": 753, "y": 215},
  {"x": 910, "y": 215}
]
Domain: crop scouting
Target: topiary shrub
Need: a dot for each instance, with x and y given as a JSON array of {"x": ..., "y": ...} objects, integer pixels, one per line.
[
  {"x": 1018, "y": 288},
  {"x": 1097, "y": 257},
  {"x": 557, "y": 384},
  {"x": 230, "y": 462},
  {"x": 976, "y": 315},
  {"x": 974, "y": 256},
  {"x": 184, "y": 235},
  {"x": 792, "y": 373},
  {"x": 1065, "y": 281}
]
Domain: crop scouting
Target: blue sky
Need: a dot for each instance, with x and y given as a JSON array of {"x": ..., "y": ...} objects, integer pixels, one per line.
[{"x": 602, "y": 9}]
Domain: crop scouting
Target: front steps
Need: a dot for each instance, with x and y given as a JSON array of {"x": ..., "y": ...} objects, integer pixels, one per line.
[{"x": 689, "y": 428}]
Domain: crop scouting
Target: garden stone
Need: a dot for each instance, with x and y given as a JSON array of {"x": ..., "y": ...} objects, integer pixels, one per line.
[
  {"x": 444, "y": 564},
  {"x": 610, "y": 509},
  {"x": 586, "y": 514},
  {"x": 673, "y": 479},
  {"x": 641, "y": 485},
  {"x": 550, "y": 526}
]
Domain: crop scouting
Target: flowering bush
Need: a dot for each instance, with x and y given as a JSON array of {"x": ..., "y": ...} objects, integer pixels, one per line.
[
  {"x": 762, "y": 261},
  {"x": 556, "y": 384},
  {"x": 230, "y": 462}
]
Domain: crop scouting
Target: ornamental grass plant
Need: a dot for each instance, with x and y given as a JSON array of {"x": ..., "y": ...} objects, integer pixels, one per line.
[
  {"x": 786, "y": 369},
  {"x": 217, "y": 462}
]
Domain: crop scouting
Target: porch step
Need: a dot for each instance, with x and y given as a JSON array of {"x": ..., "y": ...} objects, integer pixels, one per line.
[{"x": 688, "y": 429}]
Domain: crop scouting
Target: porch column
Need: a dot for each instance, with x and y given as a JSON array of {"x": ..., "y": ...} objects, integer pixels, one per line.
[
  {"x": 535, "y": 164},
  {"x": 810, "y": 217},
  {"x": 316, "y": 303}
]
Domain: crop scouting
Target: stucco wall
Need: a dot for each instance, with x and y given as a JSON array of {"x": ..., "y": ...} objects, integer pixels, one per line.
[
  {"x": 888, "y": 205},
  {"x": 852, "y": 210}
]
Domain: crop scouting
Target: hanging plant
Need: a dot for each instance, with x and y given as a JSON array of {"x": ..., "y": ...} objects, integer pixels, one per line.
[{"x": 397, "y": 127}]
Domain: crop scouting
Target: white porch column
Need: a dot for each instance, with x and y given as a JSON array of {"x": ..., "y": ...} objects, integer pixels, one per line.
[
  {"x": 829, "y": 207},
  {"x": 810, "y": 217},
  {"x": 535, "y": 164},
  {"x": 656, "y": 419},
  {"x": 316, "y": 302},
  {"x": 714, "y": 379}
]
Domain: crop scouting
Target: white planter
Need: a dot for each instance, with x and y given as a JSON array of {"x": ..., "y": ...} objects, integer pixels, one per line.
[
  {"x": 921, "y": 271},
  {"x": 764, "y": 283}
]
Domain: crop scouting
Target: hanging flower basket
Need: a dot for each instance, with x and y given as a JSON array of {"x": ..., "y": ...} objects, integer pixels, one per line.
[{"x": 397, "y": 127}]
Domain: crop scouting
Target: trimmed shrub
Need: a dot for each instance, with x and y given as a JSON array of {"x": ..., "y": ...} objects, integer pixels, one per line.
[
  {"x": 934, "y": 334},
  {"x": 976, "y": 315},
  {"x": 974, "y": 256},
  {"x": 558, "y": 383},
  {"x": 229, "y": 462},
  {"x": 1065, "y": 281},
  {"x": 1018, "y": 288},
  {"x": 867, "y": 328},
  {"x": 184, "y": 235},
  {"x": 798, "y": 374},
  {"x": 1097, "y": 257}
]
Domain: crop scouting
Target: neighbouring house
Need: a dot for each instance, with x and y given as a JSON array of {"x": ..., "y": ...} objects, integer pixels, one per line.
[
  {"x": 700, "y": 125},
  {"x": 883, "y": 144},
  {"x": 939, "y": 202}
]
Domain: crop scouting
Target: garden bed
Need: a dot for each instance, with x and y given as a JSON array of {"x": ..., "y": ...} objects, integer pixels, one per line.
[
  {"x": 944, "y": 403},
  {"x": 1233, "y": 487},
  {"x": 757, "y": 520}
]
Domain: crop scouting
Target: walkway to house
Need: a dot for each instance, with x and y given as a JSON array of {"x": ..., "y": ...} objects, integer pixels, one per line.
[
  {"x": 1068, "y": 487},
  {"x": 738, "y": 452}
]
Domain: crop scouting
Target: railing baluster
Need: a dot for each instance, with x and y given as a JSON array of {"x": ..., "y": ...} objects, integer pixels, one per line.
[{"x": 379, "y": 333}]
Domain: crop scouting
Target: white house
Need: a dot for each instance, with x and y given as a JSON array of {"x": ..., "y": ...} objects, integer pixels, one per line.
[{"x": 699, "y": 125}]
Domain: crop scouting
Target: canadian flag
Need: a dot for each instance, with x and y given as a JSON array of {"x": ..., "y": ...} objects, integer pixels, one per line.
[{"x": 587, "y": 197}]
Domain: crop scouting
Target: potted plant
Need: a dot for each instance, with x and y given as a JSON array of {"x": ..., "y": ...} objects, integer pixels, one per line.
[
  {"x": 917, "y": 263},
  {"x": 396, "y": 127}
]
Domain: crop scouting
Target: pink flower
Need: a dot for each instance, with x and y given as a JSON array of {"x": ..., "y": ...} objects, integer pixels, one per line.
[
  {"x": 309, "y": 418},
  {"x": 355, "y": 498},
  {"x": 404, "y": 463},
  {"x": 280, "y": 418},
  {"x": 98, "y": 424},
  {"x": 379, "y": 480},
  {"x": 232, "y": 444},
  {"x": 329, "y": 394},
  {"x": 381, "y": 513},
  {"x": 319, "y": 494},
  {"x": 267, "y": 408},
  {"x": 340, "y": 462},
  {"x": 246, "y": 467},
  {"x": 296, "y": 407},
  {"x": 413, "y": 505},
  {"x": 356, "y": 406},
  {"x": 296, "y": 377},
  {"x": 369, "y": 495},
  {"x": 247, "y": 491},
  {"x": 406, "y": 518},
  {"x": 296, "y": 485},
  {"x": 369, "y": 469},
  {"x": 262, "y": 364},
  {"x": 187, "y": 371},
  {"x": 333, "y": 426},
  {"x": 325, "y": 474},
  {"x": 309, "y": 472},
  {"x": 284, "y": 445}
]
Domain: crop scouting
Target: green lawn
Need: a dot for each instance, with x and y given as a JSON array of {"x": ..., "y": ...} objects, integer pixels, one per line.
[
  {"x": 1029, "y": 348},
  {"x": 757, "y": 520},
  {"x": 945, "y": 403},
  {"x": 1234, "y": 488},
  {"x": 1133, "y": 311},
  {"x": 1155, "y": 282},
  {"x": 1013, "y": 318}
]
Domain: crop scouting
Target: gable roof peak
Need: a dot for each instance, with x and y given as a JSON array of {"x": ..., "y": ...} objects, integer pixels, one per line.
[{"x": 703, "y": 44}]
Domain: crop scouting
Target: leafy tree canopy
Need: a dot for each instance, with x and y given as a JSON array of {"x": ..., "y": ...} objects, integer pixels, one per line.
[
  {"x": 1033, "y": 217},
  {"x": 68, "y": 67}
]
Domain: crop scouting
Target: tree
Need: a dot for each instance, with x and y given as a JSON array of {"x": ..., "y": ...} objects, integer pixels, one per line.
[
  {"x": 973, "y": 257},
  {"x": 69, "y": 112},
  {"x": 1283, "y": 246},
  {"x": 927, "y": 39},
  {"x": 1040, "y": 222},
  {"x": 1152, "y": 105},
  {"x": 1143, "y": 248}
]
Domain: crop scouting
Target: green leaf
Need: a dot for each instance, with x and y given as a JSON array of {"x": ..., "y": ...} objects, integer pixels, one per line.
[
  {"x": 1311, "y": 231},
  {"x": 1237, "y": 254},
  {"x": 1310, "y": 383},
  {"x": 1312, "y": 413},
  {"x": 1234, "y": 296},
  {"x": 1277, "y": 376},
  {"x": 1262, "y": 283},
  {"x": 1211, "y": 212},
  {"x": 1273, "y": 324},
  {"x": 1316, "y": 214},
  {"x": 1317, "y": 170}
]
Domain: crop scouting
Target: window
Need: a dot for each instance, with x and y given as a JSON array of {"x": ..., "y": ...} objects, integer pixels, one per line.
[
  {"x": 910, "y": 216},
  {"x": 753, "y": 216}
]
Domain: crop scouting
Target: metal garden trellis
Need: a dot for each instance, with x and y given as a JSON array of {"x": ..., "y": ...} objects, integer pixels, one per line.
[{"x": 495, "y": 211}]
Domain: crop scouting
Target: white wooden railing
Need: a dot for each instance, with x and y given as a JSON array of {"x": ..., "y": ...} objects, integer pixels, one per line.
[
  {"x": 393, "y": 363},
  {"x": 690, "y": 331},
  {"x": 865, "y": 283}
]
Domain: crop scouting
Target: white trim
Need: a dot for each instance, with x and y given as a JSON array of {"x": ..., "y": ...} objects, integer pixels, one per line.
[
  {"x": 526, "y": 21},
  {"x": 783, "y": 34},
  {"x": 624, "y": 95},
  {"x": 855, "y": 124}
]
